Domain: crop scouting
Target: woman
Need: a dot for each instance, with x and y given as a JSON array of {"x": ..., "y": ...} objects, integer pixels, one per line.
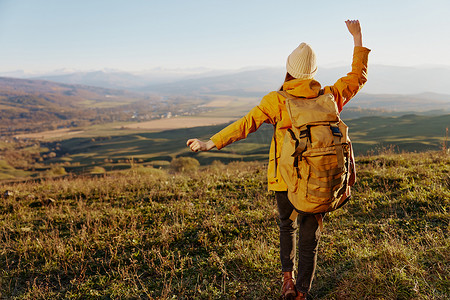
[{"x": 299, "y": 82}]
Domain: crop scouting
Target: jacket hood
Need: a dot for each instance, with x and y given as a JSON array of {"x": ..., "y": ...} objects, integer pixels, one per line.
[{"x": 308, "y": 88}]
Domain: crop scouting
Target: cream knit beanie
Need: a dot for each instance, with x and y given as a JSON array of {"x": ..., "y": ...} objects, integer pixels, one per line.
[{"x": 301, "y": 64}]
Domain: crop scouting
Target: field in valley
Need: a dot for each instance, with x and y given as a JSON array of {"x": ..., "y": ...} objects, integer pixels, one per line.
[
  {"x": 49, "y": 134},
  {"x": 177, "y": 123}
]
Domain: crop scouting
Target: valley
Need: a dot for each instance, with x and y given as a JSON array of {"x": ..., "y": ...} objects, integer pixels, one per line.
[{"x": 54, "y": 129}]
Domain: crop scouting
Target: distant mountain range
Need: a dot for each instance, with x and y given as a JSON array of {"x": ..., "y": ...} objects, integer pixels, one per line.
[
  {"x": 395, "y": 105},
  {"x": 115, "y": 79},
  {"x": 396, "y": 80},
  {"x": 256, "y": 81}
]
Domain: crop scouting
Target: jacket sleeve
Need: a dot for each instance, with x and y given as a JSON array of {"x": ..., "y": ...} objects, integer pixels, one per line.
[
  {"x": 346, "y": 87},
  {"x": 246, "y": 125}
]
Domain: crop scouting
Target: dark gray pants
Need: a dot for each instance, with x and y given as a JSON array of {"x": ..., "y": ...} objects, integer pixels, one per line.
[{"x": 309, "y": 235}]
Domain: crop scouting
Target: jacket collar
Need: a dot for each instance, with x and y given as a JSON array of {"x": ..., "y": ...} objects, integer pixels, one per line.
[{"x": 308, "y": 88}]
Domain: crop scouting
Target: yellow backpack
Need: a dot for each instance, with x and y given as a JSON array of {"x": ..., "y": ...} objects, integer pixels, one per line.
[{"x": 316, "y": 158}]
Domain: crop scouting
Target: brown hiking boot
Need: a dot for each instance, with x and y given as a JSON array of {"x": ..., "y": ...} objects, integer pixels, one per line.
[
  {"x": 288, "y": 291},
  {"x": 300, "y": 296}
]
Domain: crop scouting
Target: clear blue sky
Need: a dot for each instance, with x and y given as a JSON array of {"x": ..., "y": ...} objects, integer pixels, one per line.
[{"x": 132, "y": 35}]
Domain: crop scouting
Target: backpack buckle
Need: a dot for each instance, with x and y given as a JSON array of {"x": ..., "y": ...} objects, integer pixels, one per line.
[
  {"x": 304, "y": 134},
  {"x": 335, "y": 130}
]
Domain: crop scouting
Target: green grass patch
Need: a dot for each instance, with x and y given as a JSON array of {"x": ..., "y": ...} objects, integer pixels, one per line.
[{"x": 9, "y": 172}]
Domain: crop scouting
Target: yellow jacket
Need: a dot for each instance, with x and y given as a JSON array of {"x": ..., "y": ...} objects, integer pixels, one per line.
[{"x": 272, "y": 110}]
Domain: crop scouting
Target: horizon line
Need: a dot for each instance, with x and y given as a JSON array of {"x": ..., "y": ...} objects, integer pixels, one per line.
[{"x": 196, "y": 70}]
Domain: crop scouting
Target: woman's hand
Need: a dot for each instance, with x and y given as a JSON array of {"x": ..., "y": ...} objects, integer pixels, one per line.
[
  {"x": 197, "y": 145},
  {"x": 355, "y": 30}
]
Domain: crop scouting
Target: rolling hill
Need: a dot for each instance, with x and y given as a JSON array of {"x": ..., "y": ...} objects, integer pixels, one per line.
[
  {"x": 71, "y": 95},
  {"x": 32, "y": 105}
]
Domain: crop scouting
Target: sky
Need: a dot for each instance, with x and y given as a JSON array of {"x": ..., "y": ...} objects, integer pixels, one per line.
[{"x": 137, "y": 35}]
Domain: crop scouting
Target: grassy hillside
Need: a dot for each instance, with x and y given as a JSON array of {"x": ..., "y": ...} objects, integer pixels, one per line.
[
  {"x": 406, "y": 133},
  {"x": 212, "y": 234}
]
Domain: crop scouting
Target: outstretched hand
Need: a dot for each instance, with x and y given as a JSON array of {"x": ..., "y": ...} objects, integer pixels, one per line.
[{"x": 197, "y": 145}]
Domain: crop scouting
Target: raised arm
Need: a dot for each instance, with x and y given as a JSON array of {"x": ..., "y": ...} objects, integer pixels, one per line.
[
  {"x": 355, "y": 30},
  {"x": 346, "y": 87}
]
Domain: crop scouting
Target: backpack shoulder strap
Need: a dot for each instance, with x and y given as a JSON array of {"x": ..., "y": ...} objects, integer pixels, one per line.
[{"x": 285, "y": 94}]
